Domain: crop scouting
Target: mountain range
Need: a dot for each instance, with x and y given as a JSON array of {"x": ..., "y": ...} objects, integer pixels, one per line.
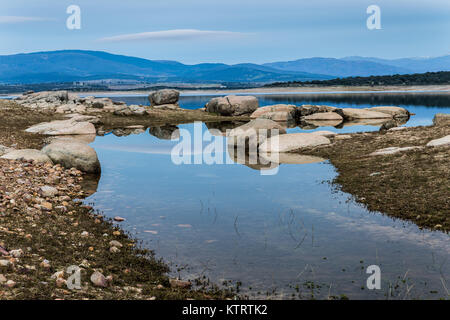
[{"x": 80, "y": 65}]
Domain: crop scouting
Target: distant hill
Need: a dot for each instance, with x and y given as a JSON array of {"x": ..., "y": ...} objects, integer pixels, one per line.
[
  {"x": 362, "y": 67},
  {"x": 79, "y": 65},
  {"x": 428, "y": 78}
]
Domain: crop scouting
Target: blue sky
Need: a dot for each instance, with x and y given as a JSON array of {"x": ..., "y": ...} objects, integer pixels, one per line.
[{"x": 193, "y": 31}]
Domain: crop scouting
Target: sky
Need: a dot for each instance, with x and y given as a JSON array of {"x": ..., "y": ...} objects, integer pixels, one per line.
[{"x": 231, "y": 31}]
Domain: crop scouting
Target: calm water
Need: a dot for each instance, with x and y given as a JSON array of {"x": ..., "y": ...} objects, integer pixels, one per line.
[{"x": 274, "y": 233}]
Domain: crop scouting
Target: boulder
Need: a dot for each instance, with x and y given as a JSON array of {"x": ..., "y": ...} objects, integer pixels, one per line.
[
  {"x": 232, "y": 105},
  {"x": 73, "y": 154},
  {"x": 63, "y": 127},
  {"x": 27, "y": 155},
  {"x": 396, "y": 112},
  {"x": 253, "y": 133},
  {"x": 324, "y": 116},
  {"x": 292, "y": 141},
  {"x": 289, "y": 108},
  {"x": 165, "y": 96},
  {"x": 358, "y": 114},
  {"x": 445, "y": 141},
  {"x": 441, "y": 118}
]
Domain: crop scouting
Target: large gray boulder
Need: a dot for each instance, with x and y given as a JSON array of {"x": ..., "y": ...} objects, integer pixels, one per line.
[
  {"x": 253, "y": 133},
  {"x": 63, "y": 127},
  {"x": 165, "y": 96},
  {"x": 292, "y": 141},
  {"x": 27, "y": 155},
  {"x": 233, "y": 105},
  {"x": 73, "y": 154}
]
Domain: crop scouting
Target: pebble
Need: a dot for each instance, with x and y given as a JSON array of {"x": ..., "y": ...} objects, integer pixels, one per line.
[
  {"x": 115, "y": 243},
  {"x": 99, "y": 279},
  {"x": 114, "y": 250},
  {"x": 175, "y": 283},
  {"x": 5, "y": 263},
  {"x": 48, "y": 192},
  {"x": 85, "y": 234},
  {"x": 2, "y": 278},
  {"x": 10, "y": 283},
  {"x": 16, "y": 253},
  {"x": 119, "y": 219}
]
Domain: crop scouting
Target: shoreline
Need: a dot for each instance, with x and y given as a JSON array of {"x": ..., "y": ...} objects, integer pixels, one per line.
[{"x": 438, "y": 89}]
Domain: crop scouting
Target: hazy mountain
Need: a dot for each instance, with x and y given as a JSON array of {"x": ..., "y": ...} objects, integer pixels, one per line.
[
  {"x": 76, "y": 65},
  {"x": 362, "y": 66},
  {"x": 415, "y": 65}
]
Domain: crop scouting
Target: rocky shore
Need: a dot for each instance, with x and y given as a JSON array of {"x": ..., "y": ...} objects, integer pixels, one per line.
[
  {"x": 45, "y": 161},
  {"x": 45, "y": 229}
]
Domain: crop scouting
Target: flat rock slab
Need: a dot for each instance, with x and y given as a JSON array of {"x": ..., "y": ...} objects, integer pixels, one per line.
[
  {"x": 441, "y": 118},
  {"x": 325, "y": 133},
  {"x": 392, "y": 150},
  {"x": 292, "y": 141},
  {"x": 445, "y": 141},
  {"x": 27, "y": 155},
  {"x": 63, "y": 127},
  {"x": 391, "y": 110},
  {"x": 275, "y": 108},
  {"x": 326, "y": 116},
  {"x": 356, "y": 114}
]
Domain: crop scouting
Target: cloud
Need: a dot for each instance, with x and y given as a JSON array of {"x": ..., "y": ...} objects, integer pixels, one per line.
[
  {"x": 18, "y": 19},
  {"x": 178, "y": 34}
]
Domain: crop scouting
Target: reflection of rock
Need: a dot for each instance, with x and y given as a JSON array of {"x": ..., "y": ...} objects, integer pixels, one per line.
[
  {"x": 251, "y": 160},
  {"x": 253, "y": 133},
  {"x": 220, "y": 128},
  {"x": 325, "y": 133},
  {"x": 27, "y": 155},
  {"x": 320, "y": 123},
  {"x": 167, "y": 132},
  {"x": 292, "y": 141},
  {"x": 73, "y": 154},
  {"x": 290, "y": 158},
  {"x": 89, "y": 184},
  {"x": 232, "y": 105},
  {"x": 126, "y": 131},
  {"x": 364, "y": 122}
]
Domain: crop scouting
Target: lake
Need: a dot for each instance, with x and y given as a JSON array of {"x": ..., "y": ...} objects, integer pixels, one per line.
[{"x": 286, "y": 235}]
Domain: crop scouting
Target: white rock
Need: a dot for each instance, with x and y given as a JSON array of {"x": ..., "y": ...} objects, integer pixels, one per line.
[
  {"x": 445, "y": 141},
  {"x": 355, "y": 114},
  {"x": 73, "y": 154},
  {"x": 27, "y": 155},
  {"x": 63, "y": 127},
  {"x": 293, "y": 141},
  {"x": 392, "y": 150}
]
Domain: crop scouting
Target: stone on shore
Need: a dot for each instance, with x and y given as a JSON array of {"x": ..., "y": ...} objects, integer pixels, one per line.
[
  {"x": 358, "y": 114},
  {"x": 99, "y": 280},
  {"x": 164, "y": 97},
  {"x": 27, "y": 155},
  {"x": 233, "y": 105},
  {"x": 278, "y": 116},
  {"x": 325, "y": 116},
  {"x": 292, "y": 141},
  {"x": 445, "y": 141},
  {"x": 289, "y": 108},
  {"x": 5, "y": 150},
  {"x": 441, "y": 118},
  {"x": 63, "y": 127},
  {"x": 73, "y": 154},
  {"x": 396, "y": 112}
]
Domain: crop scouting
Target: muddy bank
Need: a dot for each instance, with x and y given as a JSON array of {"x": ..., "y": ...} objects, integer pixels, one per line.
[
  {"x": 44, "y": 230},
  {"x": 411, "y": 185}
]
